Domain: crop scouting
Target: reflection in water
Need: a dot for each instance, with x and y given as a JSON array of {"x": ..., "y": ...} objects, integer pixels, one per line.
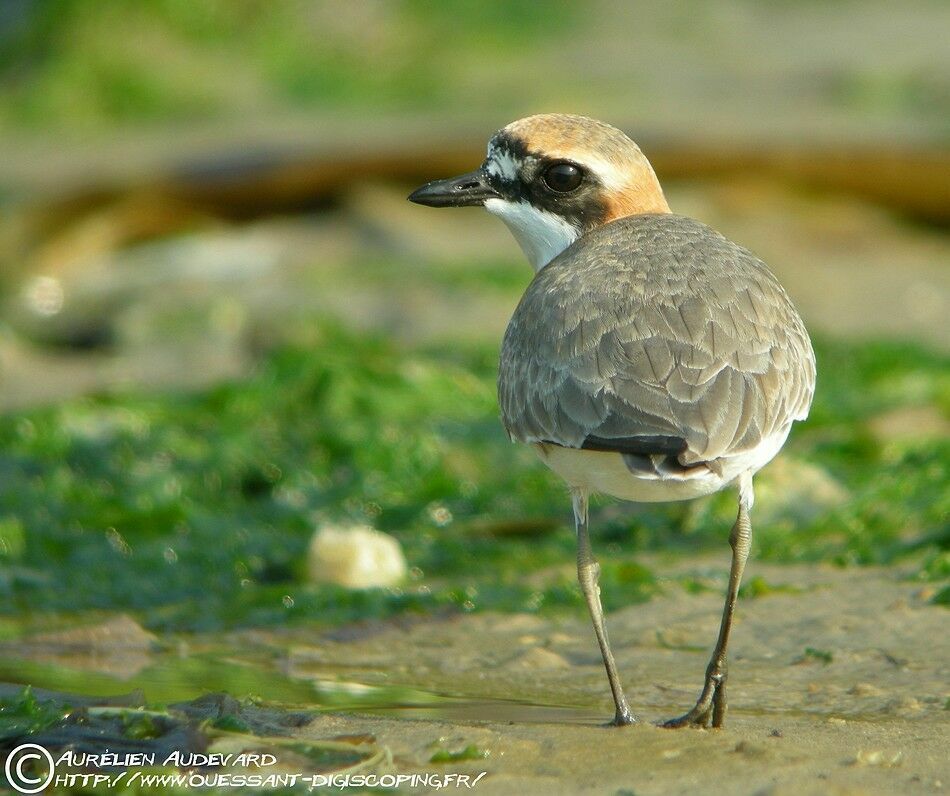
[
  {"x": 496, "y": 711},
  {"x": 175, "y": 678}
]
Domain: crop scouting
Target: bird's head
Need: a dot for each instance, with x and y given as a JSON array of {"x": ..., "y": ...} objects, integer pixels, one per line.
[{"x": 551, "y": 178}]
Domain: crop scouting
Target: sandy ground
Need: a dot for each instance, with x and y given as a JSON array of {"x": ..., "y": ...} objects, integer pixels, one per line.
[{"x": 871, "y": 718}]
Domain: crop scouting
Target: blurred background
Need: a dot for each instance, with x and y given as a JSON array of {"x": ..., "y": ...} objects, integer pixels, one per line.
[{"x": 223, "y": 329}]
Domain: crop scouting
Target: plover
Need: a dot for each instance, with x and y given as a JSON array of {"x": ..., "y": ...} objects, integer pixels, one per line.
[{"x": 650, "y": 358}]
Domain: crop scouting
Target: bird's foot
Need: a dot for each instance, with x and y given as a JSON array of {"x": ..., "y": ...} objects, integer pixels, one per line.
[
  {"x": 709, "y": 710},
  {"x": 699, "y": 716},
  {"x": 623, "y": 717}
]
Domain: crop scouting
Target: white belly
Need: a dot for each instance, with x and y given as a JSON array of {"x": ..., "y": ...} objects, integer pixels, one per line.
[{"x": 607, "y": 473}]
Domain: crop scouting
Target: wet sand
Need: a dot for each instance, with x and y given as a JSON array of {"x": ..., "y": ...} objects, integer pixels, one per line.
[{"x": 838, "y": 685}]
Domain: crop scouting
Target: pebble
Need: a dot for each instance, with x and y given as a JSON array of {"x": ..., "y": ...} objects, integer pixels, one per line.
[
  {"x": 357, "y": 557},
  {"x": 905, "y": 704},
  {"x": 876, "y": 757},
  {"x": 121, "y": 632},
  {"x": 865, "y": 690},
  {"x": 516, "y": 623},
  {"x": 539, "y": 658}
]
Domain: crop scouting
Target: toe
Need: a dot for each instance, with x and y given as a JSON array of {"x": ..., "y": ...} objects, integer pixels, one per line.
[{"x": 692, "y": 719}]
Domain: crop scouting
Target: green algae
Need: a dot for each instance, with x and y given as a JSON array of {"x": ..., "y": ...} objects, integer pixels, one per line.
[
  {"x": 23, "y": 714},
  {"x": 470, "y": 752},
  {"x": 813, "y": 655},
  {"x": 196, "y": 511}
]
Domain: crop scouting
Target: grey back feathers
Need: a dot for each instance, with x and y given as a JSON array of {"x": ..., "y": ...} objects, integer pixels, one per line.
[{"x": 655, "y": 326}]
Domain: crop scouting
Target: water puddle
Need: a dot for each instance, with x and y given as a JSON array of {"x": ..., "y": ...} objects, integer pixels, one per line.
[
  {"x": 500, "y": 711},
  {"x": 169, "y": 678},
  {"x": 174, "y": 678}
]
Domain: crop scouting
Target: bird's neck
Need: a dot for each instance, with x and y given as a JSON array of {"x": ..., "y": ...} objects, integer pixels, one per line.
[
  {"x": 642, "y": 197},
  {"x": 543, "y": 235}
]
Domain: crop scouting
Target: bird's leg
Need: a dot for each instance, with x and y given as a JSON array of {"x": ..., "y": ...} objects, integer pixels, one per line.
[
  {"x": 710, "y": 708},
  {"x": 588, "y": 573}
]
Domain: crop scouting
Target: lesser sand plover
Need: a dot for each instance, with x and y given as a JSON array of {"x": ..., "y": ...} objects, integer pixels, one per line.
[{"x": 650, "y": 358}]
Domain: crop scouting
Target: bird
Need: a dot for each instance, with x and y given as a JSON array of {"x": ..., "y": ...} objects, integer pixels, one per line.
[{"x": 649, "y": 359}]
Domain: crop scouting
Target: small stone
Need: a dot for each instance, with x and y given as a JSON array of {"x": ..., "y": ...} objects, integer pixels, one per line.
[
  {"x": 905, "y": 704},
  {"x": 539, "y": 658},
  {"x": 516, "y": 623},
  {"x": 119, "y": 647},
  {"x": 865, "y": 690},
  {"x": 878, "y": 758},
  {"x": 118, "y": 633},
  {"x": 357, "y": 557}
]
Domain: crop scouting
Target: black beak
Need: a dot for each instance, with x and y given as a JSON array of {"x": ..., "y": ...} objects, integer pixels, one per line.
[{"x": 469, "y": 189}]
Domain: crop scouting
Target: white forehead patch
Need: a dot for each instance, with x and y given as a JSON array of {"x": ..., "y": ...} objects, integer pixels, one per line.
[
  {"x": 501, "y": 164},
  {"x": 612, "y": 178},
  {"x": 541, "y": 235}
]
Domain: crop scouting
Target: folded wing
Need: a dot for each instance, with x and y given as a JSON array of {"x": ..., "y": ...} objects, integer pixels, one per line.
[{"x": 655, "y": 334}]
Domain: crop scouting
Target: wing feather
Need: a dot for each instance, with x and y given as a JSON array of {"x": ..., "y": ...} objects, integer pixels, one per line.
[{"x": 655, "y": 328}]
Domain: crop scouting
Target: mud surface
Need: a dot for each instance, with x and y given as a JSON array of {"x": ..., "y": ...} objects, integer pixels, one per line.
[{"x": 838, "y": 685}]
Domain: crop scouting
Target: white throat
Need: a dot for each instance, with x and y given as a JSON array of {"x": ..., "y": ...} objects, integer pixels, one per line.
[{"x": 541, "y": 235}]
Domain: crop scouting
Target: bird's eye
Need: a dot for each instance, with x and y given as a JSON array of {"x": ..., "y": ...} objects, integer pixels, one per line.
[{"x": 563, "y": 177}]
